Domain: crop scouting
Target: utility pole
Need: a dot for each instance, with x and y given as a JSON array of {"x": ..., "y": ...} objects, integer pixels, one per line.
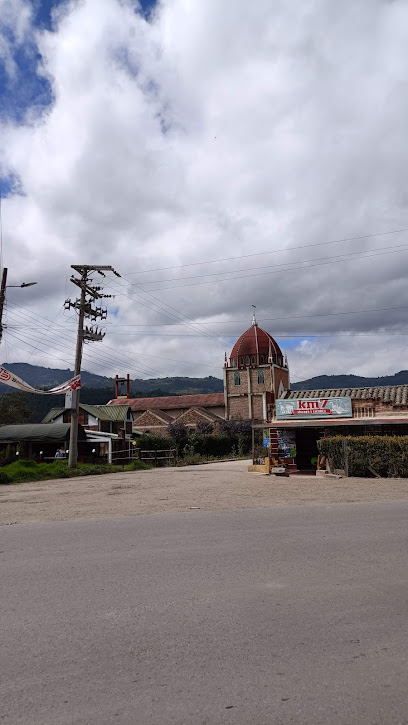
[
  {"x": 2, "y": 299},
  {"x": 3, "y": 288},
  {"x": 83, "y": 306}
]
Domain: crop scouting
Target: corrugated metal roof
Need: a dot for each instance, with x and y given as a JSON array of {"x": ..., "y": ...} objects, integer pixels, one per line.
[
  {"x": 395, "y": 394},
  {"x": 205, "y": 400},
  {"x": 39, "y": 432},
  {"x": 51, "y": 415},
  {"x": 116, "y": 413}
]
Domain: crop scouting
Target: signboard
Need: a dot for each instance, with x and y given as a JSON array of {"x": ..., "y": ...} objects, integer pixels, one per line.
[
  {"x": 313, "y": 408},
  {"x": 266, "y": 439}
]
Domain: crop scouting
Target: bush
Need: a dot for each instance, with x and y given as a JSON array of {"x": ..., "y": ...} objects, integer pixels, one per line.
[
  {"x": 386, "y": 455},
  {"x": 205, "y": 428},
  {"x": 178, "y": 432},
  {"x": 236, "y": 427},
  {"x": 151, "y": 442}
]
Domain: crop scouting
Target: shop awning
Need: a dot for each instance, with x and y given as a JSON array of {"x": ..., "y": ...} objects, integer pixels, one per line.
[{"x": 40, "y": 432}]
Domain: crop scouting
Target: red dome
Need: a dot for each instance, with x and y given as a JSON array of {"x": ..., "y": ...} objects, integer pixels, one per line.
[{"x": 253, "y": 348}]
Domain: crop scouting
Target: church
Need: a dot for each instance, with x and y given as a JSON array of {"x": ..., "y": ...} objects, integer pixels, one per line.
[{"x": 255, "y": 374}]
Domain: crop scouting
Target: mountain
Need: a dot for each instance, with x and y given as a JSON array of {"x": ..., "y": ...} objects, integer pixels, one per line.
[
  {"x": 326, "y": 382},
  {"x": 40, "y": 377}
]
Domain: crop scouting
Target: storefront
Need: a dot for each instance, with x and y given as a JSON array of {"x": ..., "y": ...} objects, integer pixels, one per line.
[{"x": 292, "y": 437}]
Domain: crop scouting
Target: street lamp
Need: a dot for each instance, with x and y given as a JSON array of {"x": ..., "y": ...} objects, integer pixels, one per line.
[{"x": 3, "y": 288}]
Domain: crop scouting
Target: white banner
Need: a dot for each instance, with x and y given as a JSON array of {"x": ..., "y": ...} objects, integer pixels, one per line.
[{"x": 15, "y": 382}]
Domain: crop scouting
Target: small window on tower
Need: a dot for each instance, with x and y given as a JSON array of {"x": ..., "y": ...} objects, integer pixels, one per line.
[
  {"x": 261, "y": 377},
  {"x": 253, "y": 360},
  {"x": 242, "y": 360},
  {"x": 261, "y": 359},
  {"x": 247, "y": 360},
  {"x": 237, "y": 378}
]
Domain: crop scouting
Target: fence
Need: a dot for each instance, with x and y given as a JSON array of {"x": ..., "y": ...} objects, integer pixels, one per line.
[
  {"x": 155, "y": 457},
  {"x": 167, "y": 457}
]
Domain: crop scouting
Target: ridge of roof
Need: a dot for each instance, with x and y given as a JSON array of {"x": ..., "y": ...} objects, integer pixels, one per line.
[
  {"x": 169, "y": 402},
  {"x": 387, "y": 393}
]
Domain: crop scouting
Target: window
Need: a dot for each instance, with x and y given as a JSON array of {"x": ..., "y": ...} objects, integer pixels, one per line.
[
  {"x": 261, "y": 359},
  {"x": 253, "y": 360},
  {"x": 261, "y": 377},
  {"x": 242, "y": 360},
  {"x": 237, "y": 378},
  {"x": 247, "y": 360}
]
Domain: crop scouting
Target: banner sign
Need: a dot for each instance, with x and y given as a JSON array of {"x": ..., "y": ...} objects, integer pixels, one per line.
[
  {"x": 15, "y": 382},
  {"x": 314, "y": 408}
]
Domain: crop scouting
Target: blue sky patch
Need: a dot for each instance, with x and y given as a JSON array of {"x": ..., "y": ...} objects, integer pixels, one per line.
[{"x": 9, "y": 184}]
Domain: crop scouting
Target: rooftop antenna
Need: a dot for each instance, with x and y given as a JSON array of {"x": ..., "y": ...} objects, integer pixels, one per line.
[{"x": 254, "y": 322}]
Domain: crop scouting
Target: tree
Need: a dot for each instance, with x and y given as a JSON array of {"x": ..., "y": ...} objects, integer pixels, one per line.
[{"x": 13, "y": 408}]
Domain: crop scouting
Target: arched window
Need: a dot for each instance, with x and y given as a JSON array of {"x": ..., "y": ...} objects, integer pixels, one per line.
[
  {"x": 247, "y": 360},
  {"x": 253, "y": 360},
  {"x": 242, "y": 360},
  {"x": 237, "y": 378},
  {"x": 261, "y": 377},
  {"x": 261, "y": 359}
]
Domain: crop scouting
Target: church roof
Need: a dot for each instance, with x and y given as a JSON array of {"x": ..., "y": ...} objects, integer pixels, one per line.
[{"x": 255, "y": 341}]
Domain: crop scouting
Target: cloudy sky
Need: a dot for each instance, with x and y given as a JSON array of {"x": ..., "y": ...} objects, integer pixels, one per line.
[{"x": 218, "y": 154}]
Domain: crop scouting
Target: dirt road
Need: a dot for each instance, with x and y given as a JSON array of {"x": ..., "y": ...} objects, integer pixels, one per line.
[{"x": 210, "y": 487}]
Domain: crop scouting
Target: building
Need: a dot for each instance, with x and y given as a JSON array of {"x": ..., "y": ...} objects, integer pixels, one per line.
[
  {"x": 301, "y": 417},
  {"x": 256, "y": 374},
  {"x": 102, "y": 418},
  {"x": 41, "y": 441},
  {"x": 155, "y": 414}
]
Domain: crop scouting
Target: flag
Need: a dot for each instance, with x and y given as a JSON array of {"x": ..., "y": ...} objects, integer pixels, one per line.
[{"x": 15, "y": 382}]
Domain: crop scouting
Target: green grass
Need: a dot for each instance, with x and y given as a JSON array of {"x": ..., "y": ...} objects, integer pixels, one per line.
[{"x": 27, "y": 471}]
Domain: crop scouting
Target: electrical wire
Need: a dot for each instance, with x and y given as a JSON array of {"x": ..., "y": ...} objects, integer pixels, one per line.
[
  {"x": 334, "y": 257},
  {"x": 277, "y": 271},
  {"x": 273, "y": 251}
]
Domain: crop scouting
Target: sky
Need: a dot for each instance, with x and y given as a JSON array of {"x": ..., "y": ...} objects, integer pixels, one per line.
[{"x": 219, "y": 155}]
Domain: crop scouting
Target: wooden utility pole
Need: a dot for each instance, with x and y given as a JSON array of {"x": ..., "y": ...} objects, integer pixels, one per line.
[
  {"x": 2, "y": 299},
  {"x": 3, "y": 295},
  {"x": 84, "y": 308}
]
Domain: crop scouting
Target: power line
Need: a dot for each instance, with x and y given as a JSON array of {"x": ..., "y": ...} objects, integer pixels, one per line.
[
  {"x": 272, "y": 251},
  {"x": 162, "y": 311},
  {"x": 136, "y": 367},
  {"x": 274, "y": 266},
  {"x": 277, "y": 271}
]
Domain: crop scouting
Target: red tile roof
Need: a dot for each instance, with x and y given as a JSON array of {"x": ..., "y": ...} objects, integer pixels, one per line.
[
  {"x": 165, "y": 417},
  {"x": 209, "y": 400}
]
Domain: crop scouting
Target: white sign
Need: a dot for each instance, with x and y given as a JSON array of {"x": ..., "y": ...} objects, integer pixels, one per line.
[{"x": 314, "y": 408}]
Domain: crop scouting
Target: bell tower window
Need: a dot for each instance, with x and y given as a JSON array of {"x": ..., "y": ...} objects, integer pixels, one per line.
[
  {"x": 237, "y": 379},
  {"x": 261, "y": 377}
]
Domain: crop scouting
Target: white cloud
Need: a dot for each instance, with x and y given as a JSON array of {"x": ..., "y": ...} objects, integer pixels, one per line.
[{"x": 210, "y": 133}]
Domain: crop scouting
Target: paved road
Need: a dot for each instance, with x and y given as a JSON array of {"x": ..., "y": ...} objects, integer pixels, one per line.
[{"x": 289, "y": 615}]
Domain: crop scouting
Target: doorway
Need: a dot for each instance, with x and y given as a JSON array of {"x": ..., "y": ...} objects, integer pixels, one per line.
[{"x": 306, "y": 447}]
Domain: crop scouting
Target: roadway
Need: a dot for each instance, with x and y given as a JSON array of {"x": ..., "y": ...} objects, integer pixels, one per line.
[{"x": 252, "y": 617}]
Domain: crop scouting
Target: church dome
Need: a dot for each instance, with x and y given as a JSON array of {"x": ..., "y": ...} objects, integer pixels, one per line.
[{"x": 255, "y": 347}]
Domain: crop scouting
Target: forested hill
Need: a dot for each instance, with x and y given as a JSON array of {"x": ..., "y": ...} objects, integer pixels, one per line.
[
  {"x": 40, "y": 377},
  {"x": 328, "y": 382}
]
